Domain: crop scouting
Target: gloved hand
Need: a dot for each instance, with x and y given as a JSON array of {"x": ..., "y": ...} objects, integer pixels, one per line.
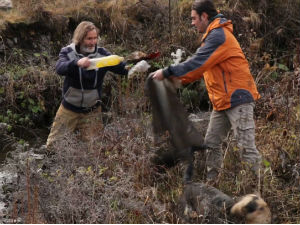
[{"x": 140, "y": 67}]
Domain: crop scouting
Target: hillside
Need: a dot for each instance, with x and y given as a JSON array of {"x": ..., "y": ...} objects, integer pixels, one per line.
[{"x": 114, "y": 178}]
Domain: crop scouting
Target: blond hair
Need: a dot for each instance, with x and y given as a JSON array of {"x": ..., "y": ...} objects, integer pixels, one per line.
[{"x": 81, "y": 31}]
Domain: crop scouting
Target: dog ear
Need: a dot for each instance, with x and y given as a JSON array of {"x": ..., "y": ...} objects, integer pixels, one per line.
[
  {"x": 261, "y": 215},
  {"x": 239, "y": 208}
]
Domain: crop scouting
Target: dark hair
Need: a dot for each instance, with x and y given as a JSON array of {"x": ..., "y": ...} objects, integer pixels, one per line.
[{"x": 205, "y": 6}]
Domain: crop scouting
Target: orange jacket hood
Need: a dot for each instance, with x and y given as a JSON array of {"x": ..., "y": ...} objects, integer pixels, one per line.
[{"x": 216, "y": 23}]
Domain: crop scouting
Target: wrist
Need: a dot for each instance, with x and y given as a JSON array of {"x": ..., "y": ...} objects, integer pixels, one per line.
[
  {"x": 166, "y": 72},
  {"x": 75, "y": 62}
]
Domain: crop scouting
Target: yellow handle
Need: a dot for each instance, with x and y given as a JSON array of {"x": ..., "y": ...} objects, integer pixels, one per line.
[{"x": 111, "y": 60}]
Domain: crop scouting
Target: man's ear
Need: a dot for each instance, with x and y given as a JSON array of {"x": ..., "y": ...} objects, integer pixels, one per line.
[{"x": 204, "y": 16}]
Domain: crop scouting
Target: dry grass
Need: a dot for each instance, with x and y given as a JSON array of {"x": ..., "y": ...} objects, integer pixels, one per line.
[
  {"x": 29, "y": 90},
  {"x": 138, "y": 23},
  {"x": 253, "y": 19},
  {"x": 111, "y": 179}
]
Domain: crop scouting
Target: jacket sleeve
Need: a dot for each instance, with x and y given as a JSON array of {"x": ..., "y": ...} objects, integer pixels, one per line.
[
  {"x": 212, "y": 52},
  {"x": 65, "y": 66},
  {"x": 119, "y": 69}
]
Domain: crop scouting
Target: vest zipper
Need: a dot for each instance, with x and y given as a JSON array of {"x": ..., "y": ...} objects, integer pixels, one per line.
[
  {"x": 81, "y": 85},
  {"x": 96, "y": 78}
]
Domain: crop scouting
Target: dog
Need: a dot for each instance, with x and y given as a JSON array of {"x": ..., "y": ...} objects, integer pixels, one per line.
[{"x": 207, "y": 204}]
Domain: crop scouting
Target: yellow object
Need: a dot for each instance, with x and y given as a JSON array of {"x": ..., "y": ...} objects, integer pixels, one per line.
[{"x": 111, "y": 60}]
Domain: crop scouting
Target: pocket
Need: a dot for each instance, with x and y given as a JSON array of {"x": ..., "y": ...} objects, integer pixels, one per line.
[
  {"x": 246, "y": 117},
  {"x": 90, "y": 98},
  {"x": 79, "y": 98},
  {"x": 73, "y": 96}
]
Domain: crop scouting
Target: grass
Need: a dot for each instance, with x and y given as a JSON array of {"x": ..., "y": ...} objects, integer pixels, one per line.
[{"x": 111, "y": 179}]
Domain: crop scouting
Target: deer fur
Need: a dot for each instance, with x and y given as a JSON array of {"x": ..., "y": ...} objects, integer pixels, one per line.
[{"x": 170, "y": 116}]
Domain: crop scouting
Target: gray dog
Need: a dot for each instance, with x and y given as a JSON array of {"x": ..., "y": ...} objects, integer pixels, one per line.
[{"x": 202, "y": 203}]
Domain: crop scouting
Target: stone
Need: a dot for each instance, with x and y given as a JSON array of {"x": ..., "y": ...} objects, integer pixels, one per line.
[
  {"x": 9, "y": 42},
  {"x": 5, "y": 4}
]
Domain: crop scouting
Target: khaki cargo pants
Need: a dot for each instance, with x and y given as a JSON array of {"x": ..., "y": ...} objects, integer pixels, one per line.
[
  {"x": 67, "y": 122},
  {"x": 240, "y": 119}
]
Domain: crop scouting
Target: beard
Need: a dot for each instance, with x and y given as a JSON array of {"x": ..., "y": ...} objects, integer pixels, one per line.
[{"x": 86, "y": 49}]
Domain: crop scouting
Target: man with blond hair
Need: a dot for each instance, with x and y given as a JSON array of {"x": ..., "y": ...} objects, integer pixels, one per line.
[
  {"x": 80, "y": 107},
  {"x": 230, "y": 85}
]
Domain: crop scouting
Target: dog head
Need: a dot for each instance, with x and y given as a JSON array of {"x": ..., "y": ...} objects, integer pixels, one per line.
[{"x": 253, "y": 208}]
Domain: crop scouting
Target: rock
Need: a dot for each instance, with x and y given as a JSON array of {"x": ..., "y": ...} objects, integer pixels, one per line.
[
  {"x": 5, "y": 4},
  {"x": 2, "y": 47},
  {"x": 2, "y": 209},
  {"x": 7, "y": 179},
  {"x": 3, "y": 128},
  {"x": 9, "y": 42},
  {"x": 200, "y": 121}
]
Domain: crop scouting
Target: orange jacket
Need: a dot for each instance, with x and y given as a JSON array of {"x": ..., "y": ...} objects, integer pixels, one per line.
[{"x": 222, "y": 63}]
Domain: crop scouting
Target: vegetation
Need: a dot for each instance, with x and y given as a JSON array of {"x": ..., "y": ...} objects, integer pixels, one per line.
[{"x": 111, "y": 179}]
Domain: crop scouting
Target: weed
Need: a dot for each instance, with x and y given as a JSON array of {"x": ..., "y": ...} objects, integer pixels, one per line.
[{"x": 111, "y": 179}]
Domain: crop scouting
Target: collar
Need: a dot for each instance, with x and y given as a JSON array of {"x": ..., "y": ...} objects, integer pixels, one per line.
[{"x": 220, "y": 15}]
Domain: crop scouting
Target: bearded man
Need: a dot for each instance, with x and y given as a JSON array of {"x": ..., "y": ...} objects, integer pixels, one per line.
[{"x": 80, "y": 107}]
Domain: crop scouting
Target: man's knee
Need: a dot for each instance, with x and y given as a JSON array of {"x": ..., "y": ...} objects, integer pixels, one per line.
[{"x": 212, "y": 141}]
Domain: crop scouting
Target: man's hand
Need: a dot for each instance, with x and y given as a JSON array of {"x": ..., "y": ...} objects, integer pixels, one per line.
[
  {"x": 84, "y": 62},
  {"x": 158, "y": 75}
]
